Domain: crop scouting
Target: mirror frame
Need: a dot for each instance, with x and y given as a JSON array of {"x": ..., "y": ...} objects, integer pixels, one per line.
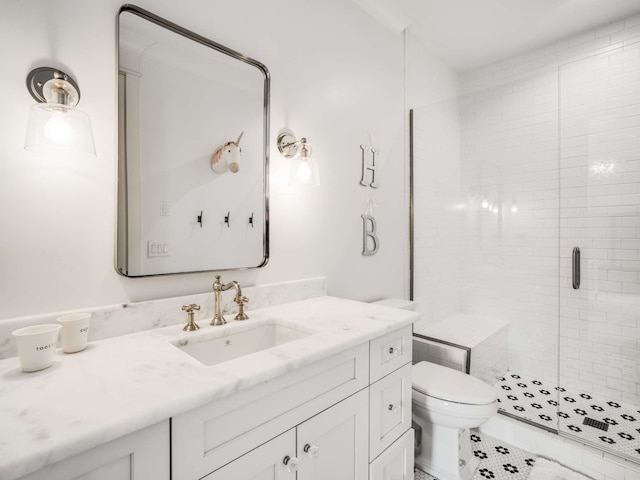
[{"x": 162, "y": 22}]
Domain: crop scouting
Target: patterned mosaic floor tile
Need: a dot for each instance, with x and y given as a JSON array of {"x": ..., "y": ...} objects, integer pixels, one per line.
[
  {"x": 498, "y": 460},
  {"x": 607, "y": 424}
]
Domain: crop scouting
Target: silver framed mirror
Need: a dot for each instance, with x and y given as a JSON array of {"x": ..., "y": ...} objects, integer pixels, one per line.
[{"x": 193, "y": 151}]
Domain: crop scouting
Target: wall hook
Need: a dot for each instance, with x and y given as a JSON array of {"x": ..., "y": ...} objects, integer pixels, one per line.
[
  {"x": 251, "y": 220},
  {"x": 226, "y": 218},
  {"x": 200, "y": 219}
]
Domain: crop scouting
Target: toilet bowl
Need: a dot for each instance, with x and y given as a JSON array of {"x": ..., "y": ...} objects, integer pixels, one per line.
[{"x": 446, "y": 404}]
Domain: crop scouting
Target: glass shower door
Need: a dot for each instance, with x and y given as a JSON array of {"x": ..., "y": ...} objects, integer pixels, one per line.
[{"x": 598, "y": 390}]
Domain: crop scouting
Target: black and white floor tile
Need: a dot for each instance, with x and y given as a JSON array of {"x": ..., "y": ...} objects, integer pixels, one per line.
[
  {"x": 498, "y": 460},
  {"x": 608, "y": 424}
]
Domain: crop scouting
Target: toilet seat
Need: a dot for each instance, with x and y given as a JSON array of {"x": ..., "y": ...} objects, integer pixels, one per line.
[{"x": 449, "y": 385}]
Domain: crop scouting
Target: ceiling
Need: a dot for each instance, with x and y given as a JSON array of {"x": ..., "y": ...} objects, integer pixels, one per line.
[{"x": 468, "y": 34}]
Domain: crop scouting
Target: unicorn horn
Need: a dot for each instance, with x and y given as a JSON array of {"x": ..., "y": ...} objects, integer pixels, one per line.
[{"x": 239, "y": 137}]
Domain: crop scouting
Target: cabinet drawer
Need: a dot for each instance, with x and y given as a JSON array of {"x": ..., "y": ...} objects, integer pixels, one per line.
[
  {"x": 396, "y": 462},
  {"x": 208, "y": 437},
  {"x": 390, "y": 414},
  {"x": 390, "y": 352}
]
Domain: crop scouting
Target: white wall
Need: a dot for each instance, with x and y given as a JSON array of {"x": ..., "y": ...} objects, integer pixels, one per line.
[{"x": 336, "y": 75}]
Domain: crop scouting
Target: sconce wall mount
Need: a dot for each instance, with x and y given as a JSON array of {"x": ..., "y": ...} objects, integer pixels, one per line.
[
  {"x": 49, "y": 85},
  {"x": 288, "y": 145}
]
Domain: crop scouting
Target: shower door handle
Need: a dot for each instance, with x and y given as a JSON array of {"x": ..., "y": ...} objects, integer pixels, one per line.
[{"x": 575, "y": 268}]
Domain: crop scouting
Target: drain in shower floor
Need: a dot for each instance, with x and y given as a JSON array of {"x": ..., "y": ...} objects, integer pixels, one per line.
[{"x": 595, "y": 423}]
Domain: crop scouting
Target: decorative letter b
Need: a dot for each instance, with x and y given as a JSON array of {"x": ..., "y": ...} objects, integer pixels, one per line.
[{"x": 369, "y": 234}]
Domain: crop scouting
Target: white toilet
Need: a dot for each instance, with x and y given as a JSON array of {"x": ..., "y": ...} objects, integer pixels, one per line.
[{"x": 446, "y": 404}]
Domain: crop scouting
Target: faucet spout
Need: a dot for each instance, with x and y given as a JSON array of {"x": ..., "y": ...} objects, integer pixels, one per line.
[{"x": 239, "y": 299}]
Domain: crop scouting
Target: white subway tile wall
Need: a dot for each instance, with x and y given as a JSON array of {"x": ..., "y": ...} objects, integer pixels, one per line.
[
  {"x": 510, "y": 177},
  {"x": 438, "y": 227},
  {"x": 600, "y": 213},
  {"x": 489, "y": 359},
  {"x": 439, "y": 353}
]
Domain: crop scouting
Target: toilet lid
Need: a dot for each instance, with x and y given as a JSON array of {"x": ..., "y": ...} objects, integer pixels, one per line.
[{"x": 450, "y": 385}]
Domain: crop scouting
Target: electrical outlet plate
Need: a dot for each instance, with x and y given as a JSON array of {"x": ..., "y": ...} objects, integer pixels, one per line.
[{"x": 157, "y": 249}]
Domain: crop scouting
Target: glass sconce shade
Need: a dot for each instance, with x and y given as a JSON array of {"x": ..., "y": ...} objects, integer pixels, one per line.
[
  {"x": 55, "y": 128},
  {"x": 304, "y": 171}
]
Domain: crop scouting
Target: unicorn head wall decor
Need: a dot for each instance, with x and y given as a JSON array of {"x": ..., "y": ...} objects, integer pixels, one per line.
[{"x": 227, "y": 157}]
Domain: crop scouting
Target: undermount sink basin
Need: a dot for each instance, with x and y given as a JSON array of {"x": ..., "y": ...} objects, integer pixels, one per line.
[{"x": 212, "y": 351}]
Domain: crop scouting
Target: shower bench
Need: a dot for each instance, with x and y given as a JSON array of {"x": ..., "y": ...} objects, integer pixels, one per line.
[{"x": 466, "y": 342}]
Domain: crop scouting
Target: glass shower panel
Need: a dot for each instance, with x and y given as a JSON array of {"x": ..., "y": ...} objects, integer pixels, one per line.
[
  {"x": 599, "y": 132},
  {"x": 438, "y": 216}
]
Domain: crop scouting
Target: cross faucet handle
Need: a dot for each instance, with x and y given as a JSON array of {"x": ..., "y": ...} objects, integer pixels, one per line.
[
  {"x": 241, "y": 300},
  {"x": 190, "y": 308},
  {"x": 191, "y": 325}
]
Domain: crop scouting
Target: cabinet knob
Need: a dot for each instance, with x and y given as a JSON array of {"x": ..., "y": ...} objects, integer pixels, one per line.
[
  {"x": 393, "y": 351},
  {"x": 312, "y": 450},
  {"x": 394, "y": 408},
  {"x": 291, "y": 463}
]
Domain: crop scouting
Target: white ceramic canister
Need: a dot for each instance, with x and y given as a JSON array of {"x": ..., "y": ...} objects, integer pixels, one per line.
[{"x": 36, "y": 346}]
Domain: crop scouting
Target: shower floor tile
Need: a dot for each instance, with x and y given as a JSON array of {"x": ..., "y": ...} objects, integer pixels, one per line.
[
  {"x": 498, "y": 460},
  {"x": 613, "y": 426}
]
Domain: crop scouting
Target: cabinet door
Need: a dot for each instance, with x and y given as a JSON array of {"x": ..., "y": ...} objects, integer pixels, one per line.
[
  {"x": 139, "y": 456},
  {"x": 396, "y": 462},
  {"x": 267, "y": 462},
  {"x": 334, "y": 444}
]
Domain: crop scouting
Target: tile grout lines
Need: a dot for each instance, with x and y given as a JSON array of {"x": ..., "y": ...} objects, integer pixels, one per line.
[
  {"x": 498, "y": 460},
  {"x": 611, "y": 425}
]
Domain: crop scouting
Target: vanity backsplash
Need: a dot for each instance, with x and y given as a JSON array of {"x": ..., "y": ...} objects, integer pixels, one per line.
[{"x": 122, "y": 319}]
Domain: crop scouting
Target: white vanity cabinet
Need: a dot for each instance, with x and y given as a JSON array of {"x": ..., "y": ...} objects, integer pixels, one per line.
[
  {"x": 207, "y": 438},
  {"x": 339, "y": 418},
  {"x": 141, "y": 455}
]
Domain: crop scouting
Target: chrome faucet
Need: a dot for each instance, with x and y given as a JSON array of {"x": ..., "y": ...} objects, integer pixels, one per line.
[{"x": 218, "y": 288}]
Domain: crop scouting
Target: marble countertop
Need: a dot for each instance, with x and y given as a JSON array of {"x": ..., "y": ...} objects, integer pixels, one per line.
[{"x": 120, "y": 385}]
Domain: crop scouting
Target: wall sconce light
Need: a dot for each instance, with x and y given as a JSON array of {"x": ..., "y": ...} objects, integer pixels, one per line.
[
  {"x": 304, "y": 169},
  {"x": 55, "y": 125}
]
